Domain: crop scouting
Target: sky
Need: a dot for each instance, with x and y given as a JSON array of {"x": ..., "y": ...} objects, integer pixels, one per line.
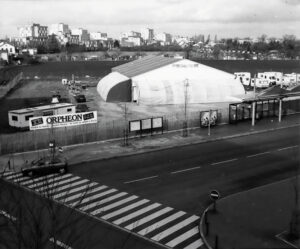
[{"x": 224, "y": 18}]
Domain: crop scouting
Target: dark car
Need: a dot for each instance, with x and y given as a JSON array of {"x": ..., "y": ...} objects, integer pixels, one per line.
[
  {"x": 80, "y": 98},
  {"x": 45, "y": 167}
]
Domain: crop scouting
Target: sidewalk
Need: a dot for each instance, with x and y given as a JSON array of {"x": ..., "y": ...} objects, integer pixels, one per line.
[
  {"x": 262, "y": 220},
  {"x": 115, "y": 148}
]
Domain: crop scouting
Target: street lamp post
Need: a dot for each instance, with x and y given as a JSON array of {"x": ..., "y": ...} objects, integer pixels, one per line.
[{"x": 185, "y": 123}]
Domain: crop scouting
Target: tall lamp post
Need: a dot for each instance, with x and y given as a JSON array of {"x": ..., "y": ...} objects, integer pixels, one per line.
[{"x": 185, "y": 122}]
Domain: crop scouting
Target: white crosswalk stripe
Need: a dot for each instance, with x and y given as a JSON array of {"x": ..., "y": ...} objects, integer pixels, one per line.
[
  {"x": 148, "y": 218},
  {"x": 48, "y": 180},
  {"x": 135, "y": 214},
  {"x": 175, "y": 228},
  {"x": 125, "y": 209},
  {"x": 38, "y": 179},
  {"x": 10, "y": 177},
  {"x": 161, "y": 223},
  {"x": 183, "y": 237},
  {"x": 94, "y": 204},
  {"x": 196, "y": 244},
  {"x": 86, "y": 190},
  {"x": 55, "y": 184},
  {"x": 108, "y": 203},
  {"x": 7, "y": 173},
  {"x": 113, "y": 205},
  {"x": 73, "y": 184}
]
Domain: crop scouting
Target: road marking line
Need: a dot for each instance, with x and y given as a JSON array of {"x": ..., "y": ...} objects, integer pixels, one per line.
[
  {"x": 7, "y": 215},
  {"x": 55, "y": 184},
  {"x": 227, "y": 161},
  {"x": 73, "y": 184},
  {"x": 148, "y": 218},
  {"x": 135, "y": 214},
  {"x": 113, "y": 205},
  {"x": 174, "y": 228},
  {"x": 124, "y": 209},
  {"x": 184, "y": 170},
  {"x": 183, "y": 237},
  {"x": 286, "y": 148},
  {"x": 59, "y": 243},
  {"x": 48, "y": 180},
  {"x": 259, "y": 154},
  {"x": 85, "y": 187},
  {"x": 93, "y": 197},
  {"x": 7, "y": 173},
  {"x": 195, "y": 244},
  {"x": 14, "y": 176},
  {"x": 161, "y": 223},
  {"x": 142, "y": 179},
  {"x": 36, "y": 180}
]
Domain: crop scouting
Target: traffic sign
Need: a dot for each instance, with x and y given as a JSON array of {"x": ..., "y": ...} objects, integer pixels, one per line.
[{"x": 214, "y": 195}]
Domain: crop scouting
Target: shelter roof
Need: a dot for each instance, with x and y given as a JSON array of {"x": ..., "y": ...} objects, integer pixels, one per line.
[{"x": 143, "y": 65}]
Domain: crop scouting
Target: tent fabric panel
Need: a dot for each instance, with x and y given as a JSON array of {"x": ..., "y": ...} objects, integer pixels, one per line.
[{"x": 120, "y": 92}]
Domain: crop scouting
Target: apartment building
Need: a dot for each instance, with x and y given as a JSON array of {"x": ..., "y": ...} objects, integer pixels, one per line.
[
  {"x": 147, "y": 35},
  {"x": 164, "y": 38},
  {"x": 84, "y": 36},
  {"x": 34, "y": 32}
]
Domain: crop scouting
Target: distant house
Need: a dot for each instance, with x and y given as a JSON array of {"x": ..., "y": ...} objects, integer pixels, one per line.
[
  {"x": 5, "y": 46},
  {"x": 4, "y": 56}
]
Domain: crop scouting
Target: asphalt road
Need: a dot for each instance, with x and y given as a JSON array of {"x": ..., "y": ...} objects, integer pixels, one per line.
[
  {"x": 179, "y": 178},
  {"x": 183, "y": 177}
]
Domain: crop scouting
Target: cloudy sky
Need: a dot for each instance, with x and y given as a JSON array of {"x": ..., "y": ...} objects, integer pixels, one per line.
[{"x": 226, "y": 18}]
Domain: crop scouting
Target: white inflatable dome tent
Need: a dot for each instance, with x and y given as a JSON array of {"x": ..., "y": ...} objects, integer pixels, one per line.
[{"x": 158, "y": 80}]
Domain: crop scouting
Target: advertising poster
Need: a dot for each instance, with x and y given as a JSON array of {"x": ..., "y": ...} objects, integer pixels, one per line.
[
  {"x": 204, "y": 118},
  {"x": 146, "y": 124},
  {"x": 64, "y": 120},
  {"x": 157, "y": 122},
  {"x": 135, "y": 125}
]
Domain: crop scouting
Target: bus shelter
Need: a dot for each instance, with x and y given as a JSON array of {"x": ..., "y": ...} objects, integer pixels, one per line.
[{"x": 263, "y": 108}]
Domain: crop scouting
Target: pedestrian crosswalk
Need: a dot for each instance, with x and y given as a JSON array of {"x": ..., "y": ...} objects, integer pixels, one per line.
[{"x": 164, "y": 225}]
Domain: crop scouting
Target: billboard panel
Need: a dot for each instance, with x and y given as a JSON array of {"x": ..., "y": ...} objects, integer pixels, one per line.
[
  {"x": 146, "y": 124},
  {"x": 63, "y": 120},
  {"x": 157, "y": 122},
  {"x": 134, "y": 125}
]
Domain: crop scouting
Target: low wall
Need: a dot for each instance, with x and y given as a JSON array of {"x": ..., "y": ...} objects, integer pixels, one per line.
[{"x": 4, "y": 89}]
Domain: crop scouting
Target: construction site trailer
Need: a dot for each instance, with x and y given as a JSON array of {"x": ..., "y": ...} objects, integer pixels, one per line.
[{"x": 20, "y": 118}]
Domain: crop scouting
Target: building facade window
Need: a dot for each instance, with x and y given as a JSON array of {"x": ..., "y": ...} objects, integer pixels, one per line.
[
  {"x": 47, "y": 113},
  {"x": 69, "y": 109},
  {"x": 28, "y": 117},
  {"x": 14, "y": 118}
]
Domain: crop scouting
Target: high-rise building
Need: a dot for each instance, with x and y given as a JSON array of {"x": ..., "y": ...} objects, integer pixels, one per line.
[
  {"x": 147, "y": 34},
  {"x": 164, "y": 38},
  {"x": 59, "y": 29},
  {"x": 35, "y": 33},
  {"x": 98, "y": 36},
  {"x": 84, "y": 36}
]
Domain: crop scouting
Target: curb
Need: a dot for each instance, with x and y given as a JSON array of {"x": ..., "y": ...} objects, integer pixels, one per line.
[
  {"x": 185, "y": 144},
  {"x": 201, "y": 227}
]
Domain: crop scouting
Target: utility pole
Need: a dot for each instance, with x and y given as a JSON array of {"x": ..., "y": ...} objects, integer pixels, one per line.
[
  {"x": 254, "y": 102},
  {"x": 280, "y": 110},
  {"x": 125, "y": 129},
  {"x": 209, "y": 116},
  {"x": 185, "y": 123}
]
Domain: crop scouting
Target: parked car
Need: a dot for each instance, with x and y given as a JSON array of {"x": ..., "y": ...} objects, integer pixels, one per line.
[
  {"x": 80, "y": 98},
  {"x": 45, "y": 166}
]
